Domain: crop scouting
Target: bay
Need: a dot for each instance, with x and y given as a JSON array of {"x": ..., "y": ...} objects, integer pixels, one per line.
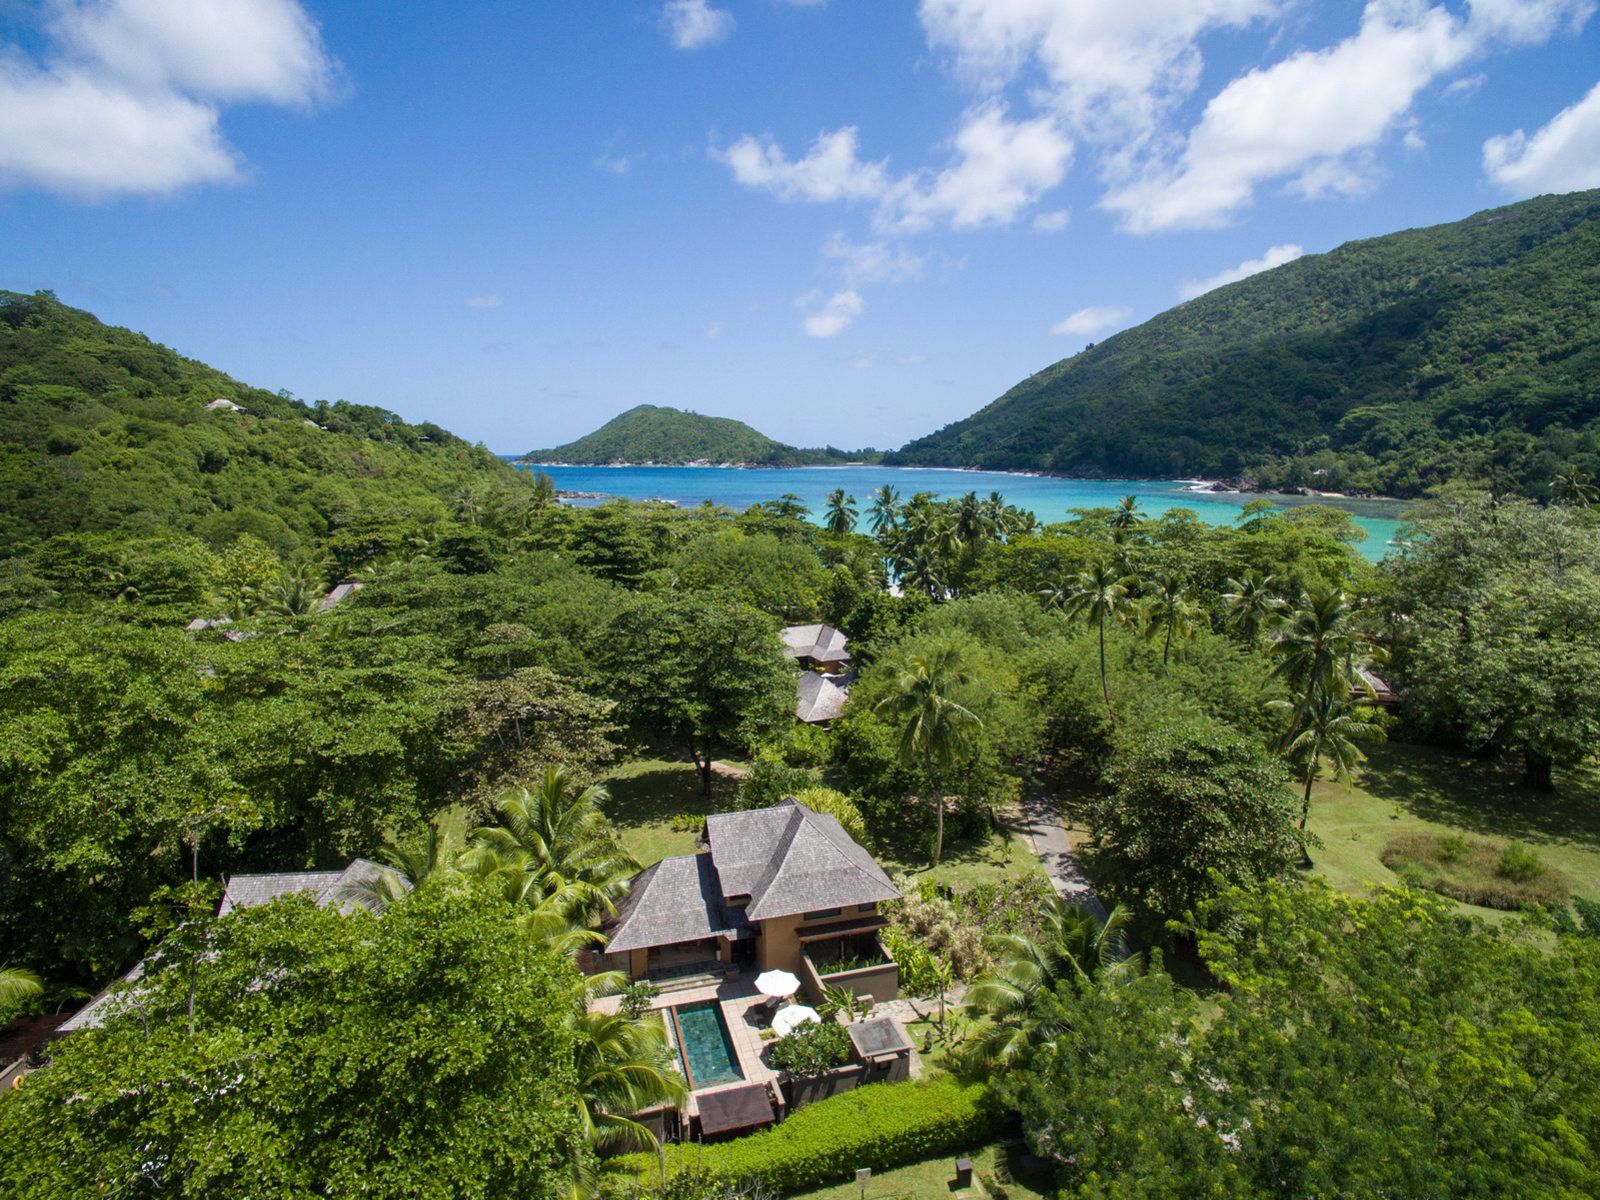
[{"x": 1048, "y": 498}]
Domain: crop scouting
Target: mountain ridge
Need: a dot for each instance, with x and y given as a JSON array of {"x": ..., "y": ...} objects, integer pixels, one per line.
[
  {"x": 1469, "y": 350},
  {"x": 659, "y": 435}
]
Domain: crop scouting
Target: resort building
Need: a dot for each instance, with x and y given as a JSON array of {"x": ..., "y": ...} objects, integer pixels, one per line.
[
  {"x": 780, "y": 888},
  {"x": 817, "y": 647}
]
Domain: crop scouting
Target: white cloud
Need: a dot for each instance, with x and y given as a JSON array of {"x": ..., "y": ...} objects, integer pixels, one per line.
[
  {"x": 1000, "y": 169},
  {"x": 1113, "y": 68},
  {"x": 1309, "y": 118},
  {"x": 716, "y": 329},
  {"x": 1275, "y": 257},
  {"x": 1465, "y": 87},
  {"x": 836, "y": 314},
  {"x": 871, "y": 262},
  {"x": 126, "y": 97},
  {"x": 616, "y": 164},
  {"x": 1052, "y": 222},
  {"x": 487, "y": 300},
  {"x": 694, "y": 24},
  {"x": 1562, "y": 156},
  {"x": 1316, "y": 119},
  {"x": 1087, "y": 322}
]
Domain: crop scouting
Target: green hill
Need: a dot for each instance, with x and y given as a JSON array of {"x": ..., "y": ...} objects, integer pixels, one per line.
[
  {"x": 1469, "y": 350},
  {"x": 105, "y": 431},
  {"x": 652, "y": 434}
]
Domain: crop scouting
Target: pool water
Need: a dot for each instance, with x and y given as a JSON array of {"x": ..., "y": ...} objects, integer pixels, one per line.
[{"x": 706, "y": 1045}]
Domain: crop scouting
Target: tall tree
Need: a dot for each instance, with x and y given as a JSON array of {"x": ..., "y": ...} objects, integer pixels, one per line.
[
  {"x": 840, "y": 514},
  {"x": 1326, "y": 727},
  {"x": 884, "y": 512},
  {"x": 936, "y": 729},
  {"x": 1099, "y": 595},
  {"x": 1252, "y": 603},
  {"x": 1171, "y": 611},
  {"x": 1318, "y": 647}
]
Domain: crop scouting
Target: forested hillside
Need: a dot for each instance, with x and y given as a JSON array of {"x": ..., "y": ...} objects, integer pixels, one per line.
[
  {"x": 649, "y": 433},
  {"x": 103, "y": 430},
  {"x": 1463, "y": 351}
]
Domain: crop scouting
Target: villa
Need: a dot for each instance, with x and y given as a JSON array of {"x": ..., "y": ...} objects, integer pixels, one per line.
[
  {"x": 817, "y": 647},
  {"x": 780, "y": 888}
]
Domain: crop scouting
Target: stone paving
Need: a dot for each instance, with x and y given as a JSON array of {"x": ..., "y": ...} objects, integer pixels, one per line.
[{"x": 1041, "y": 823}]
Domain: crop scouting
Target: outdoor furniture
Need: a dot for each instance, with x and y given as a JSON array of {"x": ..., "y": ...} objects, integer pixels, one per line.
[{"x": 791, "y": 1018}]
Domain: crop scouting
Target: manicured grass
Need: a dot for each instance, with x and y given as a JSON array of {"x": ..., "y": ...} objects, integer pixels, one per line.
[
  {"x": 1419, "y": 789},
  {"x": 647, "y": 793},
  {"x": 935, "y": 1177},
  {"x": 1000, "y": 854}
]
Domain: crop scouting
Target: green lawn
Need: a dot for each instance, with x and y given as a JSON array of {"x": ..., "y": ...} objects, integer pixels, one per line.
[
  {"x": 935, "y": 1177},
  {"x": 646, "y": 794},
  {"x": 1410, "y": 789},
  {"x": 1000, "y": 854}
]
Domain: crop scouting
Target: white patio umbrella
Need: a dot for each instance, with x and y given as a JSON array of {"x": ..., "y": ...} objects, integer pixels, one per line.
[
  {"x": 791, "y": 1018},
  {"x": 777, "y": 983}
]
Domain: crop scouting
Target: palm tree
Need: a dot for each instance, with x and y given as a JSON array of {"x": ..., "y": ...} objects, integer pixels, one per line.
[
  {"x": 1072, "y": 948},
  {"x": 1171, "y": 610},
  {"x": 937, "y": 730},
  {"x": 1317, "y": 647},
  {"x": 297, "y": 591},
  {"x": 468, "y": 505},
  {"x": 841, "y": 512},
  {"x": 1125, "y": 518},
  {"x": 1098, "y": 595},
  {"x": 970, "y": 523},
  {"x": 1328, "y": 727},
  {"x": 624, "y": 1066},
  {"x": 432, "y": 855},
  {"x": 1576, "y": 488},
  {"x": 921, "y": 571},
  {"x": 1252, "y": 603},
  {"x": 884, "y": 512},
  {"x": 553, "y": 849},
  {"x": 16, "y": 985}
]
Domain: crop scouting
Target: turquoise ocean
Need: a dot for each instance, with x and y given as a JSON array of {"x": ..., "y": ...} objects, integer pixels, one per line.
[{"x": 1048, "y": 498}]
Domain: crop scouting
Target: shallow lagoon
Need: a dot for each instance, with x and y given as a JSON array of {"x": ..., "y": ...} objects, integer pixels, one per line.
[{"x": 1048, "y": 498}]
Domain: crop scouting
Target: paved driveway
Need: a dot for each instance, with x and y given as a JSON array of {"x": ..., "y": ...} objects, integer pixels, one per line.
[{"x": 1042, "y": 825}]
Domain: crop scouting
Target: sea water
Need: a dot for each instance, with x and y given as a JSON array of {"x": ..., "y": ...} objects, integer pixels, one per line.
[{"x": 1048, "y": 498}]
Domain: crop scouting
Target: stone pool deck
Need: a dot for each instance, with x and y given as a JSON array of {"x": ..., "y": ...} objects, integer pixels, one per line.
[{"x": 737, "y": 996}]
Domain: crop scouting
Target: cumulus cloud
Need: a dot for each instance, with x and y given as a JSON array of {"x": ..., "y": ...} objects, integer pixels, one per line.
[
  {"x": 487, "y": 300},
  {"x": 836, "y": 314},
  {"x": 1087, "y": 322},
  {"x": 126, "y": 95},
  {"x": 1562, "y": 156},
  {"x": 999, "y": 169},
  {"x": 1275, "y": 257},
  {"x": 1315, "y": 119},
  {"x": 694, "y": 24}
]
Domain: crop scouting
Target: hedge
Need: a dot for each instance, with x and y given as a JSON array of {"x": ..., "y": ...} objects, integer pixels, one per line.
[{"x": 881, "y": 1125}]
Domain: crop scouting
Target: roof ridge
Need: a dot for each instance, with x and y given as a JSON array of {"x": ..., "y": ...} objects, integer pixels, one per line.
[{"x": 796, "y": 820}]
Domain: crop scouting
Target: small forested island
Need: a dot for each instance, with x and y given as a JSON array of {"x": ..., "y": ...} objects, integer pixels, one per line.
[
  {"x": 373, "y": 824},
  {"x": 653, "y": 435},
  {"x": 1467, "y": 351}
]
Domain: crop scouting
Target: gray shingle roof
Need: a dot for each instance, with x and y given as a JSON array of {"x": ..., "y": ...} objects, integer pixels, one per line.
[
  {"x": 821, "y": 697},
  {"x": 675, "y": 900},
  {"x": 820, "y": 643},
  {"x": 790, "y": 860}
]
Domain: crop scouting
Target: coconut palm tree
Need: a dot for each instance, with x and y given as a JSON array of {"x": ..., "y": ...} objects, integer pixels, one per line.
[
  {"x": 840, "y": 515},
  {"x": 553, "y": 847},
  {"x": 432, "y": 855},
  {"x": 1576, "y": 488},
  {"x": 936, "y": 730},
  {"x": 1318, "y": 647},
  {"x": 624, "y": 1066},
  {"x": 1098, "y": 595},
  {"x": 1328, "y": 727},
  {"x": 971, "y": 523},
  {"x": 18, "y": 984},
  {"x": 1124, "y": 518},
  {"x": 1170, "y": 611},
  {"x": 1252, "y": 604},
  {"x": 297, "y": 591},
  {"x": 1072, "y": 948},
  {"x": 884, "y": 512}
]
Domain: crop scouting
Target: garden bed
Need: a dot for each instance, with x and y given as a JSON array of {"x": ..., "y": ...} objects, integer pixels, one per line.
[{"x": 1491, "y": 874}]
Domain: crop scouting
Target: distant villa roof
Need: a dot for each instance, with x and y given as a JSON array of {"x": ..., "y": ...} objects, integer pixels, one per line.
[
  {"x": 790, "y": 860},
  {"x": 821, "y": 697},
  {"x": 244, "y": 891},
  {"x": 820, "y": 643},
  {"x": 341, "y": 591},
  {"x": 786, "y": 858}
]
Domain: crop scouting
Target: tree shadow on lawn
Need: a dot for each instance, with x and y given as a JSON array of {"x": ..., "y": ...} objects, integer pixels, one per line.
[{"x": 1483, "y": 795}]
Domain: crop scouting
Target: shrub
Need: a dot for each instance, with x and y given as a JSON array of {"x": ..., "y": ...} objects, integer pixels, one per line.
[
  {"x": 637, "y": 997},
  {"x": 1490, "y": 874},
  {"x": 836, "y": 805},
  {"x": 1519, "y": 864},
  {"x": 882, "y": 1125},
  {"x": 812, "y": 1049},
  {"x": 769, "y": 781}
]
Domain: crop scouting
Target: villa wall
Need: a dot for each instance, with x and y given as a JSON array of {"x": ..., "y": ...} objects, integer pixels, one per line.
[{"x": 798, "y": 1093}]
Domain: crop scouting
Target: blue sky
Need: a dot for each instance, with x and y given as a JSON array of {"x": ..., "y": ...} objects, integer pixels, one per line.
[{"x": 846, "y": 221}]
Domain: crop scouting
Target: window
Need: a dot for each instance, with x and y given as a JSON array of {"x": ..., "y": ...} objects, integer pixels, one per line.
[
  {"x": 870, "y": 907},
  {"x": 820, "y": 913}
]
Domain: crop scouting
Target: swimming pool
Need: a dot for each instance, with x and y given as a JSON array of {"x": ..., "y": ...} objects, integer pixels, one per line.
[{"x": 705, "y": 1045}]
